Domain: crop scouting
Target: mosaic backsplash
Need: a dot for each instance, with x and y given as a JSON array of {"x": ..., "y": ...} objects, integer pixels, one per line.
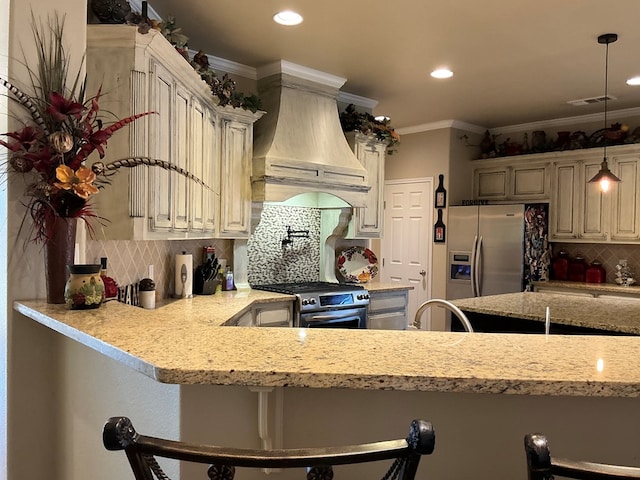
[
  {"x": 607, "y": 254},
  {"x": 128, "y": 259},
  {"x": 271, "y": 261}
]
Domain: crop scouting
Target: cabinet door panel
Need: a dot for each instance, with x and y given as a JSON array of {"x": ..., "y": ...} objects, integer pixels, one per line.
[
  {"x": 625, "y": 218},
  {"x": 161, "y": 102},
  {"x": 236, "y": 178},
  {"x": 181, "y": 132},
  {"x": 592, "y": 220},
  {"x": 530, "y": 182},
  {"x": 564, "y": 203},
  {"x": 492, "y": 184},
  {"x": 196, "y": 166},
  {"x": 369, "y": 219}
]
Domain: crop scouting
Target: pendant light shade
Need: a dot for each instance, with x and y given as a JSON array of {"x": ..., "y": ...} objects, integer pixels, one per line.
[{"x": 604, "y": 177}]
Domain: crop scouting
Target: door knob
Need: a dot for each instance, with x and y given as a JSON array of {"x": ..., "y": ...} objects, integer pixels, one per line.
[{"x": 422, "y": 272}]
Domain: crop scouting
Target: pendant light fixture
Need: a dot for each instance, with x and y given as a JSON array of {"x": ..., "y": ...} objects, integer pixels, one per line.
[{"x": 604, "y": 177}]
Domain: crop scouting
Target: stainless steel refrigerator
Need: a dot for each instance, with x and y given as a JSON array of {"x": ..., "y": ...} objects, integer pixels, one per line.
[{"x": 485, "y": 247}]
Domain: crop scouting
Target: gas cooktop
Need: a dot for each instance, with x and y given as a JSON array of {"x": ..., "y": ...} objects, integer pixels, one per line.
[{"x": 308, "y": 287}]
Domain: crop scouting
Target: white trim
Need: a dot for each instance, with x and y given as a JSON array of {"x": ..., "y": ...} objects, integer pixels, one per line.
[
  {"x": 409, "y": 180},
  {"x": 425, "y": 127},
  {"x": 300, "y": 71},
  {"x": 365, "y": 102},
  {"x": 228, "y": 66},
  {"x": 562, "y": 122}
]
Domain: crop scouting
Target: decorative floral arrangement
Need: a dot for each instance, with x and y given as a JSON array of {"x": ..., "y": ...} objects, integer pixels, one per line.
[
  {"x": 50, "y": 151},
  {"x": 365, "y": 123},
  {"x": 224, "y": 89}
]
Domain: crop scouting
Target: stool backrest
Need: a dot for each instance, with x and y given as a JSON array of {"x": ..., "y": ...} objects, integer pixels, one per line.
[
  {"x": 142, "y": 451},
  {"x": 542, "y": 466}
]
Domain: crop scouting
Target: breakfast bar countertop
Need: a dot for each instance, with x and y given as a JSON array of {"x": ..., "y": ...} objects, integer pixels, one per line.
[
  {"x": 612, "y": 314},
  {"x": 184, "y": 342}
]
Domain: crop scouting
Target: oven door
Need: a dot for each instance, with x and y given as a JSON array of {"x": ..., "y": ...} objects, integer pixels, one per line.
[{"x": 335, "y": 318}]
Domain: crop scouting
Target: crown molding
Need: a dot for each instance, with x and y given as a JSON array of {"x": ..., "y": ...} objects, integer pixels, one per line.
[
  {"x": 365, "y": 102},
  {"x": 300, "y": 71},
  {"x": 426, "y": 127},
  {"x": 565, "y": 121}
]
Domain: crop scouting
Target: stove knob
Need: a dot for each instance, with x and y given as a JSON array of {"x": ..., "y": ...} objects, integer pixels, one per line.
[
  {"x": 305, "y": 302},
  {"x": 312, "y": 301}
]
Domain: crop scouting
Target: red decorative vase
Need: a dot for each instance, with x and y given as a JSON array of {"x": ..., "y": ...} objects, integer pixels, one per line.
[{"x": 58, "y": 253}]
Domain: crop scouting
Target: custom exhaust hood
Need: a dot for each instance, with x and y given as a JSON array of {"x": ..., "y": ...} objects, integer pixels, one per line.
[{"x": 299, "y": 146}]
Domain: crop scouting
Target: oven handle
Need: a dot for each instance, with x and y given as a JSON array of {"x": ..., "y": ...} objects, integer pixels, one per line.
[{"x": 320, "y": 318}]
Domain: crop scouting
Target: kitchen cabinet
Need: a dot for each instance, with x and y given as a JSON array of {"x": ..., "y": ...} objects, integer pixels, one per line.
[
  {"x": 367, "y": 221},
  {"x": 504, "y": 179},
  {"x": 580, "y": 212},
  {"x": 387, "y": 310},
  {"x": 141, "y": 73},
  {"x": 271, "y": 314},
  {"x": 236, "y": 160}
]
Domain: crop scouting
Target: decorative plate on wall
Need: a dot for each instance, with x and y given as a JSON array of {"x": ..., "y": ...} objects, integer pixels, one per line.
[{"x": 358, "y": 264}]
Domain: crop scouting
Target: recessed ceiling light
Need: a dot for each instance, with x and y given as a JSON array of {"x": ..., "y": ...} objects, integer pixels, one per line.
[
  {"x": 634, "y": 81},
  {"x": 287, "y": 17},
  {"x": 442, "y": 73}
]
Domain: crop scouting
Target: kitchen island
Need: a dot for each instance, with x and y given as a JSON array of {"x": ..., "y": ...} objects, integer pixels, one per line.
[
  {"x": 206, "y": 381},
  {"x": 526, "y": 312}
]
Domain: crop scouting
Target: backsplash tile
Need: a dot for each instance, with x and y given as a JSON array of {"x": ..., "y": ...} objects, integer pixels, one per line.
[
  {"x": 128, "y": 259},
  {"x": 272, "y": 262},
  {"x": 607, "y": 254}
]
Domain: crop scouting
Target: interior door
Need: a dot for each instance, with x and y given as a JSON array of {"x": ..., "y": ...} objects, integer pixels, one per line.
[{"x": 407, "y": 240}]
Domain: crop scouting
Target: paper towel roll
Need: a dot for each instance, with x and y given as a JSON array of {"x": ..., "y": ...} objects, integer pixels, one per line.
[{"x": 183, "y": 282}]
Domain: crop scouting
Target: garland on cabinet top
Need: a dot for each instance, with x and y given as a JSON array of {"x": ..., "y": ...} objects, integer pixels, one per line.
[
  {"x": 365, "y": 123},
  {"x": 223, "y": 88},
  {"x": 617, "y": 134}
]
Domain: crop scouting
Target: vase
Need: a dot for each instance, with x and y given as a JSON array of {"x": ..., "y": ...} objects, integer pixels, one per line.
[
  {"x": 85, "y": 288},
  {"x": 58, "y": 254}
]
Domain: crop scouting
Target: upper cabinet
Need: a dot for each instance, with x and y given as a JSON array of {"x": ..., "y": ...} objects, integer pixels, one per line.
[
  {"x": 143, "y": 73},
  {"x": 504, "y": 179},
  {"x": 578, "y": 210},
  {"x": 367, "y": 221}
]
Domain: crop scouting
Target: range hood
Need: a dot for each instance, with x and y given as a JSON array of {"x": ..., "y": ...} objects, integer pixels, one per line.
[{"x": 299, "y": 146}]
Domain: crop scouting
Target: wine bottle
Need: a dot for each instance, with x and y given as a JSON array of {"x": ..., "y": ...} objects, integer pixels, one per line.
[
  {"x": 441, "y": 193},
  {"x": 439, "y": 229}
]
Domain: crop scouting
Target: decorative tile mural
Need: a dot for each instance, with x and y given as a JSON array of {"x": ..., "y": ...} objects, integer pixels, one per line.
[
  {"x": 273, "y": 261},
  {"x": 537, "y": 250},
  {"x": 128, "y": 260}
]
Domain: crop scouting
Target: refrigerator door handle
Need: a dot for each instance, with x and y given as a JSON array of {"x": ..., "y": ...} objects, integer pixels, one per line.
[
  {"x": 474, "y": 252},
  {"x": 476, "y": 268}
]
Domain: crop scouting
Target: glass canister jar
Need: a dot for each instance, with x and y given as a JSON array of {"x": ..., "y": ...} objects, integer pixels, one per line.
[
  {"x": 560, "y": 266},
  {"x": 577, "y": 269},
  {"x": 596, "y": 273},
  {"x": 85, "y": 288}
]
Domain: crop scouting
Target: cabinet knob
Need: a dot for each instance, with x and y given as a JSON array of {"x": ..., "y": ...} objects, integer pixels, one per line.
[{"x": 423, "y": 272}]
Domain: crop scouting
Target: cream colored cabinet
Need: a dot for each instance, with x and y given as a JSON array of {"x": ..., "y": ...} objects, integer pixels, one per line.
[
  {"x": 143, "y": 73},
  {"x": 580, "y": 212},
  {"x": 387, "y": 310},
  {"x": 506, "y": 179},
  {"x": 578, "y": 208},
  {"x": 625, "y": 213},
  {"x": 271, "y": 314},
  {"x": 367, "y": 221},
  {"x": 236, "y": 134}
]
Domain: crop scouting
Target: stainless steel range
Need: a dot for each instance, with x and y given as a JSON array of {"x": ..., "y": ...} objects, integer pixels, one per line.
[{"x": 325, "y": 304}]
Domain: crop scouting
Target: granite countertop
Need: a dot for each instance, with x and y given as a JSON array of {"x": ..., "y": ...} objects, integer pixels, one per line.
[
  {"x": 184, "y": 342},
  {"x": 620, "y": 314},
  {"x": 385, "y": 286},
  {"x": 592, "y": 288}
]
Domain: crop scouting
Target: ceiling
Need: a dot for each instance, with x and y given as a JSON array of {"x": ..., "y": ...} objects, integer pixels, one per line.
[{"x": 515, "y": 61}]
